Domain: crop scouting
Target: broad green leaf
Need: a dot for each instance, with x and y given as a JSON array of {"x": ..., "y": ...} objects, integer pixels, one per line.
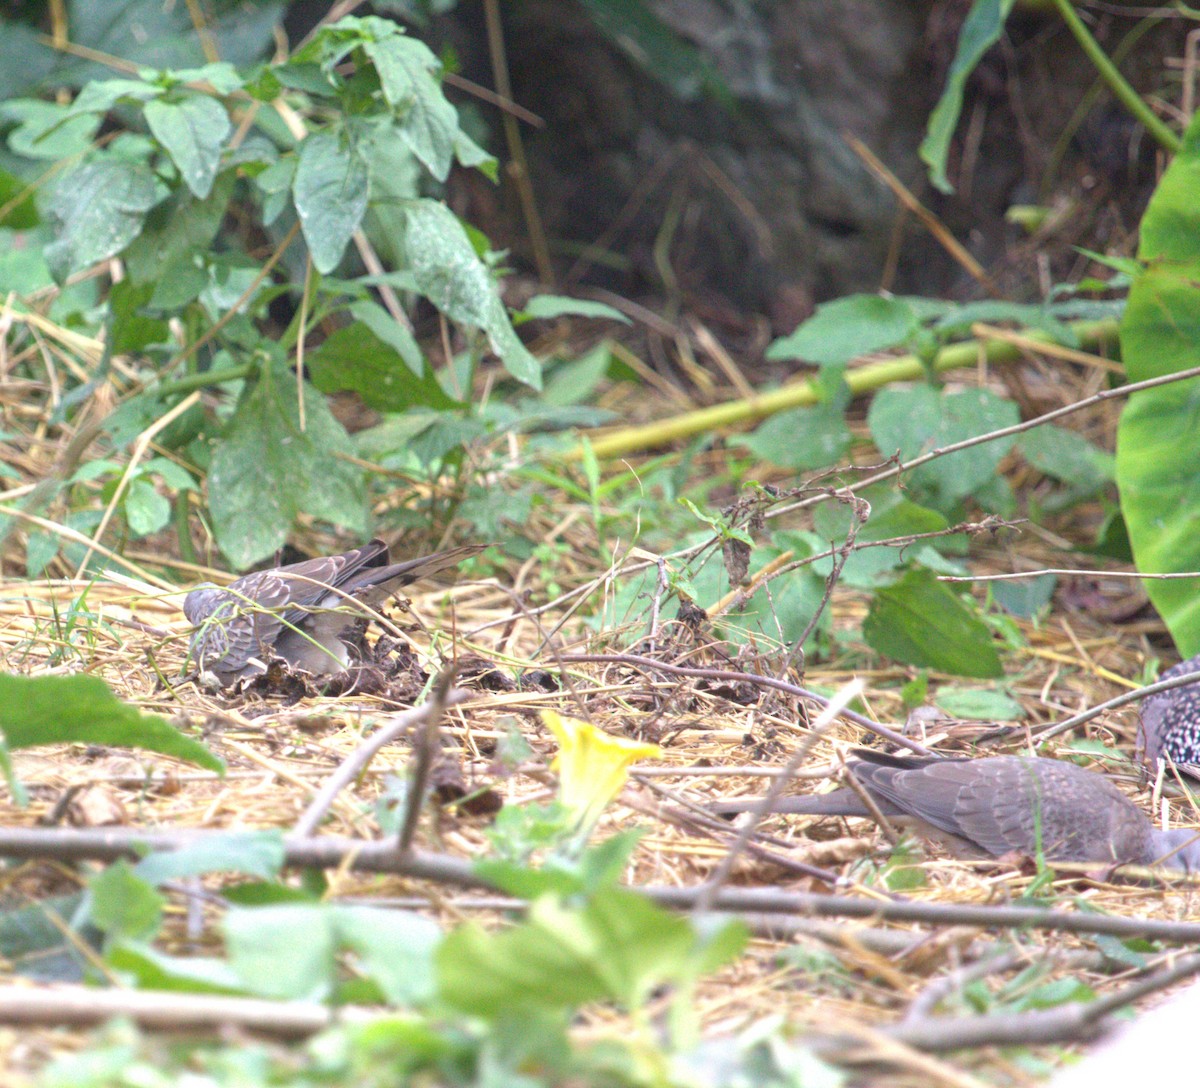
[
  {"x": 397, "y": 336},
  {"x": 803, "y": 438},
  {"x": 428, "y": 122},
  {"x": 131, "y": 329},
  {"x": 330, "y": 190},
  {"x": 153, "y": 970},
  {"x": 193, "y": 131},
  {"x": 919, "y": 621},
  {"x": 394, "y": 948},
  {"x": 979, "y": 704},
  {"x": 101, "y": 95},
  {"x": 287, "y": 951},
  {"x": 81, "y": 710},
  {"x": 171, "y": 251},
  {"x": 550, "y": 306},
  {"x": 1158, "y": 442},
  {"x": 267, "y": 470},
  {"x": 222, "y": 76},
  {"x": 892, "y": 515},
  {"x": 46, "y": 130},
  {"x": 982, "y": 29},
  {"x": 122, "y": 904},
  {"x": 146, "y": 510},
  {"x": 96, "y": 210},
  {"x": 1067, "y": 456},
  {"x": 959, "y": 319},
  {"x": 355, "y": 358},
  {"x": 843, "y": 330},
  {"x": 918, "y": 419},
  {"x": 450, "y": 274},
  {"x": 37, "y": 941}
]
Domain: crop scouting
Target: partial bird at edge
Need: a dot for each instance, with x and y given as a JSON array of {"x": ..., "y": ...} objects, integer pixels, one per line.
[{"x": 1000, "y": 805}]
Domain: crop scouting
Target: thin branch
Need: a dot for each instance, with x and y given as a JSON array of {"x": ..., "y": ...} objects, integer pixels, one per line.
[
  {"x": 728, "y": 675},
  {"x": 708, "y": 890},
  {"x": 355, "y": 763},
  {"x": 330, "y": 852}
]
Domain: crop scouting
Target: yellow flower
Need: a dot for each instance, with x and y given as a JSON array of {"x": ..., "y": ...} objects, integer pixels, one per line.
[{"x": 592, "y": 766}]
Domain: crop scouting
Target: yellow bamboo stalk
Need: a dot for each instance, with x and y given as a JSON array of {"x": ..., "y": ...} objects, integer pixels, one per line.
[{"x": 803, "y": 393}]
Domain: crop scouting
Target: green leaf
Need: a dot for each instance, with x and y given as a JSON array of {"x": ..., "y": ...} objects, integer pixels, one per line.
[
  {"x": 1158, "y": 443},
  {"x": 35, "y": 942},
  {"x": 124, "y": 905},
  {"x": 81, "y": 710},
  {"x": 101, "y": 95},
  {"x": 458, "y": 283},
  {"x": 843, "y": 330},
  {"x": 330, "y": 190},
  {"x": 290, "y": 950},
  {"x": 545, "y": 307},
  {"x": 918, "y": 621},
  {"x": 980, "y": 704},
  {"x": 1025, "y": 597},
  {"x": 1067, "y": 456},
  {"x": 286, "y": 951},
  {"x": 981, "y": 30},
  {"x": 131, "y": 330},
  {"x": 255, "y": 853},
  {"x": 397, "y": 336},
  {"x": 892, "y": 515},
  {"x": 355, "y": 358},
  {"x": 193, "y": 131},
  {"x": 154, "y": 970},
  {"x": 266, "y": 470},
  {"x": 171, "y": 251},
  {"x": 917, "y": 419},
  {"x": 803, "y": 438},
  {"x": 428, "y": 122},
  {"x": 96, "y": 210},
  {"x": 146, "y": 510},
  {"x": 395, "y": 948},
  {"x": 46, "y": 130},
  {"x": 23, "y": 213}
]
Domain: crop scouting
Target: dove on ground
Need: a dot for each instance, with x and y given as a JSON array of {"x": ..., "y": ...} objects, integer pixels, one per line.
[
  {"x": 998, "y": 805},
  {"x": 1169, "y": 725},
  {"x": 299, "y": 612}
]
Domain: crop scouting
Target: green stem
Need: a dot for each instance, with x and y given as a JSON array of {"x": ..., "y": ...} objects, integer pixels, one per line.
[
  {"x": 804, "y": 393},
  {"x": 1116, "y": 82},
  {"x": 205, "y": 378}
]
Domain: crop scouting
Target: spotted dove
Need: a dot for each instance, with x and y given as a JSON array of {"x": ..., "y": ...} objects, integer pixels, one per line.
[
  {"x": 299, "y": 612},
  {"x": 1170, "y": 722},
  {"x": 1000, "y": 805}
]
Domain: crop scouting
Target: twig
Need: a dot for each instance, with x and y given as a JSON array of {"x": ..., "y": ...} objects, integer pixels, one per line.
[
  {"x": 331, "y": 852},
  {"x": 357, "y": 761},
  {"x": 424, "y": 748},
  {"x": 83, "y": 1005},
  {"x": 1044, "y": 733},
  {"x": 1064, "y": 1024},
  {"x": 708, "y": 890},
  {"x": 648, "y": 663}
]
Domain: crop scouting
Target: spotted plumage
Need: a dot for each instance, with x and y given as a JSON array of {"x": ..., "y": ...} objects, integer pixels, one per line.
[
  {"x": 1002, "y": 804},
  {"x": 299, "y": 612},
  {"x": 1170, "y": 721}
]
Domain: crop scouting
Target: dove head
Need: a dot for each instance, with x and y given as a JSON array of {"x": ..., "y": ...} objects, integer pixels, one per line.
[
  {"x": 202, "y": 601},
  {"x": 1178, "y": 849}
]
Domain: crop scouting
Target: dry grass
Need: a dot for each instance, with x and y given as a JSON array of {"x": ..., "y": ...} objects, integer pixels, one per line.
[{"x": 828, "y": 976}]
